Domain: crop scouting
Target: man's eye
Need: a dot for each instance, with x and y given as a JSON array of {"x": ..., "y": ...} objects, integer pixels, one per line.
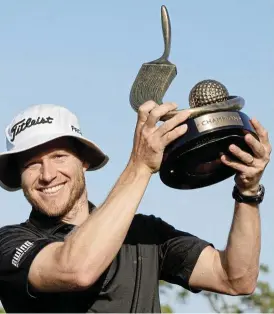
[
  {"x": 60, "y": 156},
  {"x": 31, "y": 164}
]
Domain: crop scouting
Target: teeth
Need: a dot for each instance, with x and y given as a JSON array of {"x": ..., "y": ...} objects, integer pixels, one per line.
[{"x": 54, "y": 189}]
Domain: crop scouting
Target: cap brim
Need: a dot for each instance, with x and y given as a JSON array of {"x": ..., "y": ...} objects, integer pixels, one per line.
[{"x": 10, "y": 179}]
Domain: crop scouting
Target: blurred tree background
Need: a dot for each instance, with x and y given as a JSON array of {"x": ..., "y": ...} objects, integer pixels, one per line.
[{"x": 261, "y": 301}]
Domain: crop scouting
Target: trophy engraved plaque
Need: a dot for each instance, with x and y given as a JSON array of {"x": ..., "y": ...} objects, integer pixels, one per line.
[
  {"x": 216, "y": 121},
  {"x": 213, "y": 120}
]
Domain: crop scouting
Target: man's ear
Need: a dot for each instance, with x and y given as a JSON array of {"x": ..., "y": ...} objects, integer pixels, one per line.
[{"x": 85, "y": 165}]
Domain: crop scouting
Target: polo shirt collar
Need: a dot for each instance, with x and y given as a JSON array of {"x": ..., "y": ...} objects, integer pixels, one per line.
[{"x": 47, "y": 223}]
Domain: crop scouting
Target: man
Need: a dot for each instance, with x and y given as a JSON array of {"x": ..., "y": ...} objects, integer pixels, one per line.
[{"x": 70, "y": 256}]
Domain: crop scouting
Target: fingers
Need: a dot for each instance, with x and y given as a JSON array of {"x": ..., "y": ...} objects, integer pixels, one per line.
[
  {"x": 246, "y": 162},
  {"x": 158, "y": 111},
  {"x": 145, "y": 109},
  {"x": 250, "y": 167},
  {"x": 262, "y": 134},
  {"x": 243, "y": 156},
  {"x": 238, "y": 166},
  {"x": 174, "y": 134},
  {"x": 256, "y": 146},
  {"x": 260, "y": 130},
  {"x": 170, "y": 124}
]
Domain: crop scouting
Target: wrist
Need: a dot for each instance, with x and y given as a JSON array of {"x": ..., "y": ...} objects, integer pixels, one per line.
[
  {"x": 251, "y": 191},
  {"x": 254, "y": 198},
  {"x": 139, "y": 168}
]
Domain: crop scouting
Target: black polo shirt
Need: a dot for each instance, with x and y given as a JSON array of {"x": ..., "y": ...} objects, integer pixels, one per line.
[{"x": 152, "y": 251}]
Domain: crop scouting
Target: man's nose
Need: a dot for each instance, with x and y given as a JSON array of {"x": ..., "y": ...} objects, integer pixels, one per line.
[{"x": 48, "y": 171}]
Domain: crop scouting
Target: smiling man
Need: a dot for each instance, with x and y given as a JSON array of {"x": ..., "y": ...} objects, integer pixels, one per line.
[
  {"x": 61, "y": 184},
  {"x": 71, "y": 256}
]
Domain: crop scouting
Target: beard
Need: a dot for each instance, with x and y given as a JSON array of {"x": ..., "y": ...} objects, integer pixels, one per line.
[{"x": 59, "y": 207}]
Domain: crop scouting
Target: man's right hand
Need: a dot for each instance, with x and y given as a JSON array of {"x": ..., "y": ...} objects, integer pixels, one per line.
[{"x": 150, "y": 140}]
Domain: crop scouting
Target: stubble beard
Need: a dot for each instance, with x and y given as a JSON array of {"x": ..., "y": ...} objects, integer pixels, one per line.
[{"x": 55, "y": 208}]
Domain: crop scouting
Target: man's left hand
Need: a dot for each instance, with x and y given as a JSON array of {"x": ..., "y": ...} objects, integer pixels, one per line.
[{"x": 250, "y": 168}]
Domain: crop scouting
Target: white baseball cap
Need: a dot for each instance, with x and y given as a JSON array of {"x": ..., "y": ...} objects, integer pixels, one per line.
[{"x": 37, "y": 125}]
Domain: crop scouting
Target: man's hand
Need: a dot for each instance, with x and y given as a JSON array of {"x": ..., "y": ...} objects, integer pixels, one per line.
[
  {"x": 150, "y": 140},
  {"x": 235, "y": 270},
  {"x": 250, "y": 169}
]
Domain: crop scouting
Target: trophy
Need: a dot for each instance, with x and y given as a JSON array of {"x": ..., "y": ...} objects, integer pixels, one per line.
[{"x": 215, "y": 122}]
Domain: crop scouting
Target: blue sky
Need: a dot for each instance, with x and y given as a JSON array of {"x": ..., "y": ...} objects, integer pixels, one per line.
[{"x": 85, "y": 55}]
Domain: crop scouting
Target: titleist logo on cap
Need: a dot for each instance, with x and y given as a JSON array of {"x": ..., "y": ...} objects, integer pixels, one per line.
[{"x": 28, "y": 123}]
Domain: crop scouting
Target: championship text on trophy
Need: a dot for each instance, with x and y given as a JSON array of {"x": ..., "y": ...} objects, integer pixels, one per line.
[{"x": 193, "y": 160}]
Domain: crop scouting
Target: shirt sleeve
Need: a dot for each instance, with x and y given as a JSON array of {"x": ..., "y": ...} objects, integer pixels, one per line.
[
  {"x": 18, "y": 248},
  {"x": 178, "y": 254}
]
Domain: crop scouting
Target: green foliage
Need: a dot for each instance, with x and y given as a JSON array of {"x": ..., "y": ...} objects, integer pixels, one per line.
[
  {"x": 166, "y": 290},
  {"x": 165, "y": 308}
]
